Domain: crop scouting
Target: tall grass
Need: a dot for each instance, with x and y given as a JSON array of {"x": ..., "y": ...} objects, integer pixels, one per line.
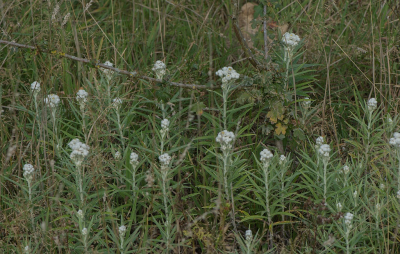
[{"x": 118, "y": 203}]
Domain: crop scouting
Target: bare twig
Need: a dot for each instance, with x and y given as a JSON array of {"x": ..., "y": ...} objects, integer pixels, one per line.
[
  {"x": 250, "y": 56},
  {"x": 265, "y": 33},
  {"x": 134, "y": 74}
]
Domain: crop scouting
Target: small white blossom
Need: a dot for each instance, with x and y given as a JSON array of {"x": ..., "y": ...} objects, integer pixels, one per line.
[
  {"x": 79, "y": 151},
  {"x": 345, "y": 170},
  {"x": 378, "y": 207},
  {"x": 117, "y": 103},
  {"x": 52, "y": 100},
  {"x": 227, "y": 74},
  {"x": 348, "y": 219},
  {"x": 117, "y": 155},
  {"x": 164, "y": 159},
  {"x": 266, "y": 155},
  {"x": 306, "y": 103},
  {"x": 395, "y": 140},
  {"x": 79, "y": 214},
  {"x": 382, "y": 186},
  {"x": 355, "y": 194},
  {"x": 122, "y": 230},
  {"x": 28, "y": 172},
  {"x": 398, "y": 194},
  {"x": 282, "y": 159},
  {"x": 319, "y": 141},
  {"x": 107, "y": 72},
  {"x": 324, "y": 151},
  {"x": 165, "y": 124},
  {"x": 372, "y": 104},
  {"x": 249, "y": 235},
  {"x": 84, "y": 231},
  {"x": 290, "y": 40},
  {"x": 35, "y": 87},
  {"x": 26, "y": 249},
  {"x": 134, "y": 159},
  {"x": 160, "y": 69},
  {"x": 81, "y": 97},
  {"x": 339, "y": 206},
  {"x": 225, "y": 138}
]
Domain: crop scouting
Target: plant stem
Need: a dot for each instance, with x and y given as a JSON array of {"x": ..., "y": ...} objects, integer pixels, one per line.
[
  {"x": 120, "y": 128},
  {"x": 347, "y": 240},
  {"x": 225, "y": 162},
  {"x": 79, "y": 175},
  {"x": 164, "y": 190},
  {"x": 31, "y": 205},
  {"x": 325, "y": 169},
  {"x": 225, "y": 98},
  {"x": 266, "y": 173}
]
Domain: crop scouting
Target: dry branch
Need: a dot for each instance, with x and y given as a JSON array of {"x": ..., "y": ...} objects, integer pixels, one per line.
[{"x": 134, "y": 74}]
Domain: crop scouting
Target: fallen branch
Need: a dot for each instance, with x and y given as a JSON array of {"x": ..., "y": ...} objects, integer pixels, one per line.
[{"x": 134, "y": 74}]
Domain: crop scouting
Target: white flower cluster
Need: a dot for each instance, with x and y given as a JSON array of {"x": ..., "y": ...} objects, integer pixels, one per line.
[
  {"x": 165, "y": 159},
  {"x": 345, "y": 170},
  {"x": 372, "y": 104},
  {"x": 265, "y": 155},
  {"x": 348, "y": 217},
  {"x": 117, "y": 155},
  {"x": 79, "y": 151},
  {"x": 306, "y": 103},
  {"x": 164, "y": 127},
  {"x": 160, "y": 69},
  {"x": 107, "y": 72},
  {"x": 382, "y": 186},
  {"x": 378, "y": 207},
  {"x": 398, "y": 194},
  {"x": 84, "y": 231},
  {"x": 79, "y": 214},
  {"x": 117, "y": 103},
  {"x": 290, "y": 39},
  {"x": 28, "y": 172},
  {"x": 319, "y": 141},
  {"x": 52, "y": 100},
  {"x": 324, "y": 151},
  {"x": 282, "y": 159},
  {"x": 122, "y": 230},
  {"x": 339, "y": 206},
  {"x": 134, "y": 159},
  {"x": 165, "y": 124},
  {"x": 249, "y": 235},
  {"x": 227, "y": 74},
  {"x": 26, "y": 249},
  {"x": 81, "y": 97},
  {"x": 225, "y": 138},
  {"x": 35, "y": 87},
  {"x": 395, "y": 140}
]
